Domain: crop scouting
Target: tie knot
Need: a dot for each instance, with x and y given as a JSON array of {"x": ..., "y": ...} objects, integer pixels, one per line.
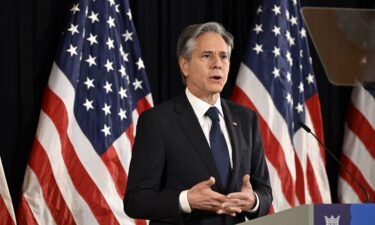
[{"x": 213, "y": 113}]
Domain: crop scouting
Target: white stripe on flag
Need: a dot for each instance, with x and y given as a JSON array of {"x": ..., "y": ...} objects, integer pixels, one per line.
[
  {"x": 49, "y": 138},
  {"x": 4, "y": 192},
  {"x": 34, "y": 197},
  {"x": 264, "y": 104}
]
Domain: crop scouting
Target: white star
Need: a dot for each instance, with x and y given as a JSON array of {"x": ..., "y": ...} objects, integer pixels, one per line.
[
  {"x": 294, "y": 2},
  {"x": 299, "y": 108},
  {"x": 258, "y": 28},
  {"x": 290, "y": 38},
  {"x": 94, "y": 17},
  {"x": 293, "y": 20},
  {"x": 129, "y": 13},
  {"x": 276, "y": 51},
  {"x": 117, "y": 8},
  {"x": 276, "y": 72},
  {"x": 92, "y": 39},
  {"x": 75, "y": 8},
  {"x": 111, "y": 2},
  {"x": 302, "y": 32},
  {"x": 106, "y": 131},
  {"x": 310, "y": 78},
  {"x": 89, "y": 83},
  {"x": 73, "y": 29},
  {"x": 140, "y": 64},
  {"x": 109, "y": 43},
  {"x": 289, "y": 77},
  {"x": 301, "y": 53},
  {"x": 107, "y": 87},
  {"x": 258, "y": 48},
  {"x": 122, "y": 71},
  {"x": 106, "y": 109},
  {"x": 276, "y": 10},
  {"x": 122, "y": 93},
  {"x": 276, "y": 30},
  {"x": 124, "y": 55},
  {"x": 111, "y": 22},
  {"x": 289, "y": 58},
  {"x": 91, "y": 61},
  {"x": 289, "y": 99},
  {"x": 137, "y": 84},
  {"x": 88, "y": 104},
  {"x": 259, "y": 10},
  {"x": 287, "y": 14},
  {"x": 300, "y": 87},
  {"x": 109, "y": 65},
  {"x": 300, "y": 67},
  {"x": 122, "y": 114},
  {"x": 310, "y": 60},
  {"x": 128, "y": 35},
  {"x": 72, "y": 50}
]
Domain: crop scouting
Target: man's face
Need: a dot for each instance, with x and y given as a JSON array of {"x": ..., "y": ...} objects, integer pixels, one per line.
[{"x": 207, "y": 71}]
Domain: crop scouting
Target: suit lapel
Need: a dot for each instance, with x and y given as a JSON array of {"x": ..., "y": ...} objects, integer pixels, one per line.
[
  {"x": 193, "y": 131},
  {"x": 234, "y": 128}
]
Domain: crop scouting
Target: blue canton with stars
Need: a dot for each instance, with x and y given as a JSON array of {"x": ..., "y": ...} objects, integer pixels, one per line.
[
  {"x": 278, "y": 54},
  {"x": 100, "y": 55}
]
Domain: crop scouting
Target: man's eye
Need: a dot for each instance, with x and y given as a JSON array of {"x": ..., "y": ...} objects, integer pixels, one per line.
[
  {"x": 224, "y": 57},
  {"x": 206, "y": 56}
]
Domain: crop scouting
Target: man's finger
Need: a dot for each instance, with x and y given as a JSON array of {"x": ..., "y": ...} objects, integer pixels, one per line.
[
  {"x": 209, "y": 182},
  {"x": 246, "y": 182}
]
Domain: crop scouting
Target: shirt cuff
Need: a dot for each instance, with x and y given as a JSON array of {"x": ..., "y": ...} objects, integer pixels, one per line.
[
  {"x": 184, "y": 202},
  {"x": 256, "y": 207}
]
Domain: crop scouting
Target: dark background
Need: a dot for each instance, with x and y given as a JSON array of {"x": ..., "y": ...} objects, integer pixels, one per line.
[{"x": 30, "y": 31}]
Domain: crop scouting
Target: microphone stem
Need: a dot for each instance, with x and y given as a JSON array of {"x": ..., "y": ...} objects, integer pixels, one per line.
[{"x": 345, "y": 169}]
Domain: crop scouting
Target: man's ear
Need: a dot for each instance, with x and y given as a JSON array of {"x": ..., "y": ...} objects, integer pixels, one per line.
[{"x": 184, "y": 65}]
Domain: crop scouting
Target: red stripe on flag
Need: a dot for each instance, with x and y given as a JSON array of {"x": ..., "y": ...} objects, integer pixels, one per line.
[
  {"x": 142, "y": 105},
  {"x": 114, "y": 166},
  {"x": 312, "y": 184},
  {"x": 55, "y": 109},
  {"x": 359, "y": 176},
  {"x": 272, "y": 148},
  {"x": 6, "y": 219},
  {"x": 140, "y": 222},
  {"x": 24, "y": 214},
  {"x": 359, "y": 125},
  {"x": 130, "y": 134},
  {"x": 300, "y": 181},
  {"x": 313, "y": 106},
  {"x": 41, "y": 166}
]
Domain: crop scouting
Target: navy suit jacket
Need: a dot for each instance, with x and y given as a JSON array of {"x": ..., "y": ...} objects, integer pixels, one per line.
[{"x": 171, "y": 154}]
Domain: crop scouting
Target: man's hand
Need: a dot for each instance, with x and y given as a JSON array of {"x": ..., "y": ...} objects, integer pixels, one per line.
[
  {"x": 241, "y": 201},
  {"x": 202, "y": 197}
]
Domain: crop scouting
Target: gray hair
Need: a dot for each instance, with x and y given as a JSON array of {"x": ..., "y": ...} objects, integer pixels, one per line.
[{"x": 187, "y": 40}]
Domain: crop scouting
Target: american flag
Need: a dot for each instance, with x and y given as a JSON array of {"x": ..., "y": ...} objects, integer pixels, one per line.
[
  {"x": 6, "y": 206},
  {"x": 78, "y": 165},
  {"x": 359, "y": 147},
  {"x": 277, "y": 81}
]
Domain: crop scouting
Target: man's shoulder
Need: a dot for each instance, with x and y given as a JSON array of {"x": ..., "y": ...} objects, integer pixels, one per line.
[
  {"x": 163, "y": 109},
  {"x": 237, "y": 108}
]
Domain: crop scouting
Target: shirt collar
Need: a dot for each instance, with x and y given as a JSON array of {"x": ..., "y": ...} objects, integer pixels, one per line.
[{"x": 200, "y": 107}]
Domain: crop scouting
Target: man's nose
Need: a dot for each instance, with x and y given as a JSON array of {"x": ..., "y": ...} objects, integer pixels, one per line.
[{"x": 217, "y": 63}]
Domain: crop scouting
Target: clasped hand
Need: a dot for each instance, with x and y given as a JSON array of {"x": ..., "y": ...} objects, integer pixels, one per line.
[{"x": 202, "y": 197}]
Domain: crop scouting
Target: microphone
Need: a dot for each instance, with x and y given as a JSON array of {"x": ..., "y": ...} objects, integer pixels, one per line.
[{"x": 363, "y": 189}]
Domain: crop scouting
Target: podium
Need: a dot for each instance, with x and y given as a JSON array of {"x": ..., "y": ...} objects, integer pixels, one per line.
[{"x": 321, "y": 214}]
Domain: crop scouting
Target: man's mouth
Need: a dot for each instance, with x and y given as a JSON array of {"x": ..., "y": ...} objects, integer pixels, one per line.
[{"x": 216, "y": 77}]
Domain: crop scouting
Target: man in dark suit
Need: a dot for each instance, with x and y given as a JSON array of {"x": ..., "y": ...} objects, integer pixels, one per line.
[{"x": 198, "y": 158}]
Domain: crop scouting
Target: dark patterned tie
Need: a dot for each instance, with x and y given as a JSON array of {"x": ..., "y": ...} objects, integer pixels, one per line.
[{"x": 219, "y": 146}]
